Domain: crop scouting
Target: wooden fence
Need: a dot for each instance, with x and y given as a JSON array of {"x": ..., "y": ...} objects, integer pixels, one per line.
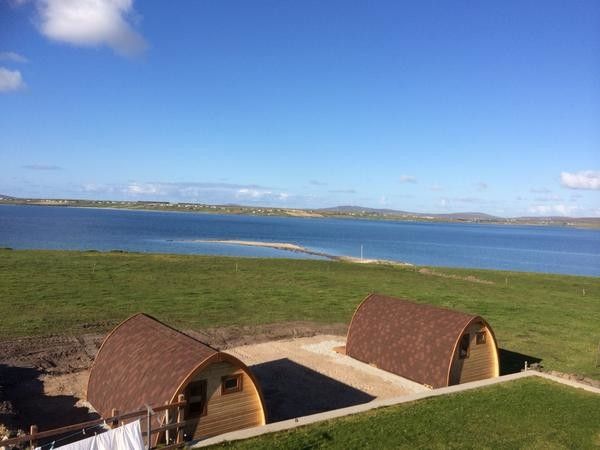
[{"x": 173, "y": 424}]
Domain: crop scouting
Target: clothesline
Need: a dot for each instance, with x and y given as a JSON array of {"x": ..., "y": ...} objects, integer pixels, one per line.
[
  {"x": 126, "y": 437},
  {"x": 64, "y": 438}
]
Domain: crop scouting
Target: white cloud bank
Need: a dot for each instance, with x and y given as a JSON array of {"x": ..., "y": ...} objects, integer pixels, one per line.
[
  {"x": 91, "y": 23},
  {"x": 13, "y": 57},
  {"x": 585, "y": 179},
  {"x": 560, "y": 209},
  {"x": 10, "y": 80},
  {"x": 192, "y": 192}
]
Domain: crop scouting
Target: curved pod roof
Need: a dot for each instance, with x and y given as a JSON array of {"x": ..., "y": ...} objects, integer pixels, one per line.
[
  {"x": 413, "y": 340},
  {"x": 143, "y": 361}
]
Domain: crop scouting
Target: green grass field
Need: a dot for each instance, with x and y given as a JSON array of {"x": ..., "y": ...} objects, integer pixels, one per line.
[
  {"x": 50, "y": 292},
  {"x": 528, "y": 413}
]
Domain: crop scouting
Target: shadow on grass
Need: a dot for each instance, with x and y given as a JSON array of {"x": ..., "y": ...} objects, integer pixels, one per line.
[
  {"x": 24, "y": 403},
  {"x": 513, "y": 362},
  {"x": 293, "y": 390}
]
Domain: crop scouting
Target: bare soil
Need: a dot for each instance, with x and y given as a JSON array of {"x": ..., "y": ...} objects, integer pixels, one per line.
[
  {"x": 235, "y": 336},
  {"x": 43, "y": 379},
  {"x": 471, "y": 278}
]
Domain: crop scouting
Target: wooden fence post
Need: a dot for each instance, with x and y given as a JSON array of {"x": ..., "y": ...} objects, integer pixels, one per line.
[
  {"x": 115, "y": 422},
  {"x": 180, "y": 418},
  {"x": 167, "y": 422},
  {"x": 33, "y": 429}
]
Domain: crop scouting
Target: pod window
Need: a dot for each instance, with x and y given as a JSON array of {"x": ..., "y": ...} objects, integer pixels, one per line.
[
  {"x": 481, "y": 337},
  {"x": 463, "y": 346},
  {"x": 196, "y": 396},
  {"x": 231, "y": 384}
]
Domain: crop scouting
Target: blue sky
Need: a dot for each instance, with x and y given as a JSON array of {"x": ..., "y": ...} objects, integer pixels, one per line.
[{"x": 438, "y": 106}]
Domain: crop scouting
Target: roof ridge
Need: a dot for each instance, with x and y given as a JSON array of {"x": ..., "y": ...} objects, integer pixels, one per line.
[
  {"x": 422, "y": 305},
  {"x": 173, "y": 329}
]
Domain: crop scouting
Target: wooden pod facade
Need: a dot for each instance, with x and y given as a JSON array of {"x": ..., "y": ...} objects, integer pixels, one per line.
[
  {"x": 433, "y": 346},
  {"x": 145, "y": 362}
]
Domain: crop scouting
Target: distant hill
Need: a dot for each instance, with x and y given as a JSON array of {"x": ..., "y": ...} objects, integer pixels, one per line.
[
  {"x": 345, "y": 209},
  {"x": 353, "y": 209},
  {"x": 467, "y": 216}
]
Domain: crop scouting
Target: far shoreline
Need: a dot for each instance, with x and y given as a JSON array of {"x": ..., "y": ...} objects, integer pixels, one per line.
[{"x": 594, "y": 225}]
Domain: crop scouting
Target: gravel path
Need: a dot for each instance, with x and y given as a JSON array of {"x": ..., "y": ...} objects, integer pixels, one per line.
[{"x": 305, "y": 376}]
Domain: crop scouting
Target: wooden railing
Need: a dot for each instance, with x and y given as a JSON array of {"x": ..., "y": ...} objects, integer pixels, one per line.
[{"x": 114, "y": 421}]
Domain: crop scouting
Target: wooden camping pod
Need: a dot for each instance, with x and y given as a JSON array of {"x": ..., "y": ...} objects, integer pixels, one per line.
[
  {"x": 430, "y": 345},
  {"x": 145, "y": 362}
]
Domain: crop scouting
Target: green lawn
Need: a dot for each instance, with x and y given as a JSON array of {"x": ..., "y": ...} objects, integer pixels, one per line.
[
  {"x": 49, "y": 292},
  {"x": 528, "y": 413}
]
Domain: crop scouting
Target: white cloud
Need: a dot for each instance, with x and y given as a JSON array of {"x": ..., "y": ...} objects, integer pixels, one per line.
[
  {"x": 585, "y": 179},
  {"x": 13, "y": 57},
  {"x": 546, "y": 210},
  {"x": 42, "y": 167},
  {"x": 98, "y": 188},
  {"x": 481, "y": 186},
  {"x": 251, "y": 193},
  {"x": 197, "y": 192},
  {"x": 436, "y": 188},
  {"x": 91, "y": 23},
  {"x": 407, "y": 179},
  {"x": 257, "y": 194},
  {"x": 145, "y": 189},
  {"x": 10, "y": 80}
]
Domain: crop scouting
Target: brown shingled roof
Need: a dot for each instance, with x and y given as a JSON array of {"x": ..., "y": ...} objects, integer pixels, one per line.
[
  {"x": 413, "y": 340},
  {"x": 143, "y": 361}
]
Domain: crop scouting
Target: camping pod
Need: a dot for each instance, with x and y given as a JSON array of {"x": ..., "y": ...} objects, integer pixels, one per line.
[
  {"x": 430, "y": 345},
  {"x": 145, "y": 362}
]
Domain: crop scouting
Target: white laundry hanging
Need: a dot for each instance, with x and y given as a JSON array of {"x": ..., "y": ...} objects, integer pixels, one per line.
[{"x": 126, "y": 437}]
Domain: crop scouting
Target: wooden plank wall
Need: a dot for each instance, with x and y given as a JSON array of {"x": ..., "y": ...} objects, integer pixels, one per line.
[
  {"x": 482, "y": 360},
  {"x": 228, "y": 412}
]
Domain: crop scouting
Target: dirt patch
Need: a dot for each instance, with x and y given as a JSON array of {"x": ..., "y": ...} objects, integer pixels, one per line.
[
  {"x": 43, "y": 380},
  {"x": 470, "y": 278},
  {"x": 574, "y": 377},
  {"x": 227, "y": 337},
  {"x": 74, "y": 384},
  {"x": 53, "y": 354}
]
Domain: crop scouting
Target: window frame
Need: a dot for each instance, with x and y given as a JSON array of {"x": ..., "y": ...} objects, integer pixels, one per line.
[
  {"x": 239, "y": 383},
  {"x": 463, "y": 353}
]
